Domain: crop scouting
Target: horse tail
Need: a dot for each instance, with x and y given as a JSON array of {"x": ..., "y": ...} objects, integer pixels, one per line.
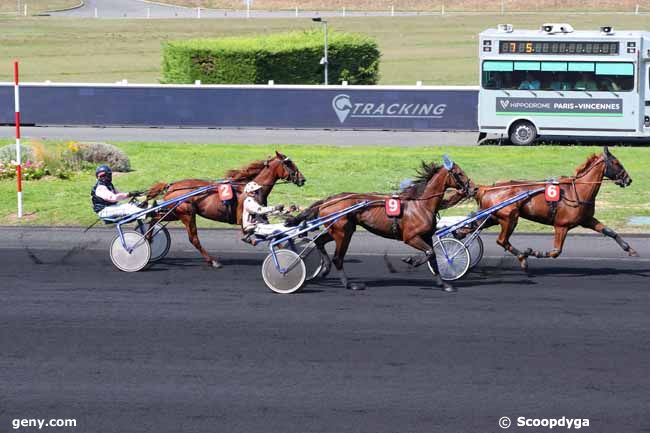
[
  {"x": 310, "y": 213},
  {"x": 157, "y": 189}
]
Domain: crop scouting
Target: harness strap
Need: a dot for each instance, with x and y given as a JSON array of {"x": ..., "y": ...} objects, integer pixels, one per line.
[{"x": 395, "y": 226}]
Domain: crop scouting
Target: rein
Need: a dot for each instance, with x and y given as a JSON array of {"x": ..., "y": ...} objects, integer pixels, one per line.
[
  {"x": 572, "y": 180},
  {"x": 168, "y": 190},
  {"x": 360, "y": 195}
]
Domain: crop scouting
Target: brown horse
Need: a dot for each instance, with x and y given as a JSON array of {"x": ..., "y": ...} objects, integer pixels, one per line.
[
  {"x": 575, "y": 208},
  {"x": 210, "y": 206},
  {"x": 415, "y": 227}
]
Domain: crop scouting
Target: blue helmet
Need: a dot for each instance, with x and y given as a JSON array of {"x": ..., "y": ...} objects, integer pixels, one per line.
[{"x": 105, "y": 172}]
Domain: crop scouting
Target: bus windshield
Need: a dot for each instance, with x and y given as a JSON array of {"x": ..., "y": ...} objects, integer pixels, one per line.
[{"x": 554, "y": 75}]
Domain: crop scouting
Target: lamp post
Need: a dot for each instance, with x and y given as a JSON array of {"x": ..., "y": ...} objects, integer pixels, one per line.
[{"x": 324, "y": 60}]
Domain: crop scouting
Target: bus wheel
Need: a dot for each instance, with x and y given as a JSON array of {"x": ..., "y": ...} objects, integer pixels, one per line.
[{"x": 523, "y": 133}]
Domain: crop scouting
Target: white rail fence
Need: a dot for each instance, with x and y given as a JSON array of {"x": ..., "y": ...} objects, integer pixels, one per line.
[{"x": 250, "y": 9}]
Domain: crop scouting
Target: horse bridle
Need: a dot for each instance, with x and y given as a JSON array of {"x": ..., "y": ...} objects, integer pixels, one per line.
[
  {"x": 294, "y": 175},
  {"x": 607, "y": 160},
  {"x": 465, "y": 184},
  {"x": 609, "y": 167}
]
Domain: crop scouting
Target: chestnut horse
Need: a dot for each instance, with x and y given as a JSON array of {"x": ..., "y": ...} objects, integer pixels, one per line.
[
  {"x": 210, "y": 206},
  {"x": 575, "y": 207},
  {"x": 415, "y": 227}
]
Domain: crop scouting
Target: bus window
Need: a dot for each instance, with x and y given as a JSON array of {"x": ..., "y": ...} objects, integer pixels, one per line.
[
  {"x": 554, "y": 66},
  {"x": 550, "y": 75},
  {"x": 581, "y": 67},
  {"x": 615, "y": 76},
  {"x": 497, "y": 74},
  {"x": 527, "y": 66},
  {"x": 614, "y": 69}
]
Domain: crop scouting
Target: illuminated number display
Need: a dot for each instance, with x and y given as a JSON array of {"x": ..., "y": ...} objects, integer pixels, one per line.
[{"x": 569, "y": 47}]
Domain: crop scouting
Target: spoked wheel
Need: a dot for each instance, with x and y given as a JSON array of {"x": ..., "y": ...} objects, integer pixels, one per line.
[
  {"x": 135, "y": 260},
  {"x": 475, "y": 249},
  {"x": 160, "y": 243},
  {"x": 284, "y": 283},
  {"x": 452, "y": 257},
  {"x": 310, "y": 256}
]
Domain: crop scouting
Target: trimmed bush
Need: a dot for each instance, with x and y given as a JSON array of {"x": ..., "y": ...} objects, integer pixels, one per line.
[
  {"x": 98, "y": 153},
  {"x": 285, "y": 58},
  {"x": 8, "y": 153}
]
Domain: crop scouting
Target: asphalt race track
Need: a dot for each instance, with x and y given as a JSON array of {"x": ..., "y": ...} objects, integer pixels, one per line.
[
  {"x": 248, "y": 136},
  {"x": 184, "y": 348}
]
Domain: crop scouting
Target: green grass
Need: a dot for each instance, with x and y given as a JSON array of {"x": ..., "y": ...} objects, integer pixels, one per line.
[
  {"x": 434, "y": 50},
  {"x": 331, "y": 170}
]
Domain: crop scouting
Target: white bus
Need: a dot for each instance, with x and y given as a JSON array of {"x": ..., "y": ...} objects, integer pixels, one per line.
[{"x": 559, "y": 82}]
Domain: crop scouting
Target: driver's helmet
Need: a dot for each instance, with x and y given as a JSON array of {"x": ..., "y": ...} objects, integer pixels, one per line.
[
  {"x": 251, "y": 187},
  {"x": 104, "y": 172}
]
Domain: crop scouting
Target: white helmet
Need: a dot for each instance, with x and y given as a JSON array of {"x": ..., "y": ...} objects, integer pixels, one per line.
[{"x": 251, "y": 187}]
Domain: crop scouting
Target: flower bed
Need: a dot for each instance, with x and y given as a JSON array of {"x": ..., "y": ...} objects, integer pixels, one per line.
[{"x": 60, "y": 160}]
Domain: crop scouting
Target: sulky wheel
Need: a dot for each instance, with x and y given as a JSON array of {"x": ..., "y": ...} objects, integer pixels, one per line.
[
  {"x": 452, "y": 257},
  {"x": 310, "y": 256},
  {"x": 135, "y": 260},
  {"x": 160, "y": 243},
  {"x": 292, "y": 279},
  {"x": 475, "y": 248}
]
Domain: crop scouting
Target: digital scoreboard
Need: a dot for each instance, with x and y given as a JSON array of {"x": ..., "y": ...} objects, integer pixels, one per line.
[{"x": 589, "y": 48}]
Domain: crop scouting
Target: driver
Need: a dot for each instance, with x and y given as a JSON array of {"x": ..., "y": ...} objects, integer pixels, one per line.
[
  {"x": 254, "y": 218},
  {"x": 105, "y": 197}
]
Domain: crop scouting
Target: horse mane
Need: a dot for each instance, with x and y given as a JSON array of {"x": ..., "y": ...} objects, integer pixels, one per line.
[
  {"x": 248, "y": 172},
  {"x": 587, "y": 164},
  {"x": 424, "y": 175}
]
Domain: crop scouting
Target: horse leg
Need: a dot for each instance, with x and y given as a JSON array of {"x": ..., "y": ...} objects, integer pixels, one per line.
[
  {"x": 327, "y": 262},
  {"x": 426, "y": 246},
  {"x": 342, "y": 238},
  {"x": 508, "y": 225},
  {"x": 594, "y": 224},
  {"x": 415, "y": 261},
  {"x": 189, "y": 220},
  {"x": 558, "y": 244}
]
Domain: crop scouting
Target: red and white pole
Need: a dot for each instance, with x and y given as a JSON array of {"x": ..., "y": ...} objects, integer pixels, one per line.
[{"x": 19, "y": 167}]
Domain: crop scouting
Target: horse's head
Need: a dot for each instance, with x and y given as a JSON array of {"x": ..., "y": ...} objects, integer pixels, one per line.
[
  {"x": 614, "y": 170},
  {"x": 457, "y": 178},
  {"x": 284, "y": 168}
]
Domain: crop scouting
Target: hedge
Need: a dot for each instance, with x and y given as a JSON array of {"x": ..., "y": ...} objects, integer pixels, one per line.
[{"x": 285, "y": 58}]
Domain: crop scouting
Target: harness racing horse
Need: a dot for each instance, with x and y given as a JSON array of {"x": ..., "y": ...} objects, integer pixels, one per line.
[
  {"x": 575, "y": 207},
  {"x": 420, "y": 203},
  {"x": 209, "y": 205}
]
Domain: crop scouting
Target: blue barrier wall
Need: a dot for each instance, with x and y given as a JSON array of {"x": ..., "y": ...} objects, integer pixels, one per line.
[{"x": 340, "y": 107}]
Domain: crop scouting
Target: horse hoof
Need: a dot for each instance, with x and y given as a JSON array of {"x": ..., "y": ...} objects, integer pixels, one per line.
[
  {"x": 448, "y": 288},
  {"x": 523, "y": 263},
  {"x": 325, "y": 272},
  {"x": 632, "y": 253},
  {"x": 408, "y": 260},
  {"x": 356, "y": 286},
  {"x": 215, "y": 264}
]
